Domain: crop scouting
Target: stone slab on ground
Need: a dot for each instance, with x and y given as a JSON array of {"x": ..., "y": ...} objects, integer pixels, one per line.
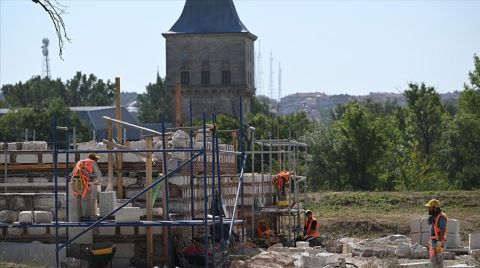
[
  {"x": 474, "y": 241},
  {"x": 424, "y": 264},
  {"x": 42, "y": 216},
  {"x": 25, "y": 217}
]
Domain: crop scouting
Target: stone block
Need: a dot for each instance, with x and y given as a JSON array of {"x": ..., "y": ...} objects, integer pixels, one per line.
[
  {"x": 325, "y": 258},
  {"x": 27, "y": 159},
  {"x": 4, "y": 160},
  {"x": 121, "y": 262},
  {"x": 34, "y": 231},
  {"x": 453, "y": 226},
  {"x": 415, "y": 225},
  {"x": 423, "y": 264},
  {"x": 18, "y": 203},
  {"x": 474, "y": 241},
  {"x": 127, "y": 230},
  {"x": 40, "y": 180},
  {"x": 15, "y": 231},
  {"x": 62, "y": 231},
  {"x": 301, "y": 244},
  {"x": 420, "y": 238},
  {"x": 461, "y": 265},
  {"x": 25, "y": 217},
  {"x": 106, "y": 230},
  {"x": 475, "y": 253},
  {"x": 86, "y": 238},
  {"x": 156, "y": 230},
  {"x": 128, "y": 214},
  {"x": 8, "y": 216},
  {"x": 42, "y": 216},
  {"x": 34, "y": 146},
  {"x": 403, "y": 250},
  {"x": 453, "y": 240},
  {"x": 107, "y": 201},
  {"x": 125, "y": 250}
]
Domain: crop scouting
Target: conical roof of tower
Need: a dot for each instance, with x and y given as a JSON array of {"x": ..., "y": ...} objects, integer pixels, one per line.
[{"x": 209, "y": 16}]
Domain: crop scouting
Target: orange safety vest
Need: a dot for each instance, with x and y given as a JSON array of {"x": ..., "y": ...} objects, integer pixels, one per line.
[
  {"x": 310, "y": 232},
  {"x": 436, "y": 236},
  {"x": 260, "y": 231},
  {"x": 281, "y": 178},
  {"x": 80, "y": 178}
]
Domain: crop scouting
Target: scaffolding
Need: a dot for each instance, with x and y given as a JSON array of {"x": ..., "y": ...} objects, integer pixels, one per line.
[{"x": 206, "y": 222}]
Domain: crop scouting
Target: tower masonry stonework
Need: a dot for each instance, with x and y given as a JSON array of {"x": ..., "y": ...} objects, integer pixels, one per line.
[{"x": 211, "y": 54}]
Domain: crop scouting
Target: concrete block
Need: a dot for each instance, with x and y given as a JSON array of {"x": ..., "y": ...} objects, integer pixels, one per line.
[
  {"x": 128, "y": 214},
  {"x": 86, "y": 238},
  {"x": 62, "y": 231},
  {"x": 453, "y": 240},
  {"x": 129, "y": 181},
  {"x": 27, "y": 159},
  {"x": 424, "y": 226},
  {"x": 474, "y": 241},
  {"x": 2, "y": 159},
  {"x": 34, "y": 231},
  {"x": 423, "y": 264},
  {"x": 18, "y": 203},
  {"x": 453, "y": 226},
  {"x": 34, "y": 145},
  {"x": 156, "y": 230},
  {"x": 301, "y": 244},
  {"x": 8, "y": 216},
  {"x": 42, "y": 216},
  {"x": 475, "y": 253},
  {"x": 125, "y": 250},
  {"x": 127, "y": 230},
  {"x": 107, "y": 201},
  {"x": 25, "y": 217},
  {"x": 415, "y": 225},
  {"x": 40, "y": 180},
  {"x": 106, "y": 230},
  {"x": 15, "y": 231}
]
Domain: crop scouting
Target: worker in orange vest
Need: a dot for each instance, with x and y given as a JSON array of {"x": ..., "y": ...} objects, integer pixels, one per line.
[
  {"x": 83, "y": 191},
  {"x": 438, "y": 232},
  {"x": 264, "y": 234},
  {"x": 310, "y": 228}
]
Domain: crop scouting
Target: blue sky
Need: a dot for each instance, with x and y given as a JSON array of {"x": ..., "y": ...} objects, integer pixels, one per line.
[{"x": 335, "y": 47}]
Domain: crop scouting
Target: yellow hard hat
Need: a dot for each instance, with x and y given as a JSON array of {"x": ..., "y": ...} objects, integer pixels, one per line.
[
  {"x": 433, "y": 203},
  {"x": 93, "y": 155}
]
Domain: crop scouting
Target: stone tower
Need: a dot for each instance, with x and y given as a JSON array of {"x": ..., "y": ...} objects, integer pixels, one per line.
[{"x": 211, "y": 53}]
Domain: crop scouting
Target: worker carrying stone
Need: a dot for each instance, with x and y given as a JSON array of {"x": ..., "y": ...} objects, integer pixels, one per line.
[
  {"x": 265, "y": 235},
  {"x": 280, "y": 182},
  {"x": 310, "y": 228},
  {"x": 438, "y": 232},
  {"x": 83, "y": 193}
]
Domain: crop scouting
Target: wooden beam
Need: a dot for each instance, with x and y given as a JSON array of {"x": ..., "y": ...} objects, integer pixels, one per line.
[
  {"x": 110, "y": 157},
  {"x": 149, "y": 202},
  {"x": 123, "y": 147},
  {"x": 119, "y": 157}
]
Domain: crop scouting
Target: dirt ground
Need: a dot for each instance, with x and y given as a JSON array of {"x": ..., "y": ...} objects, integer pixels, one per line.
[{"x": 378, "y": 214}]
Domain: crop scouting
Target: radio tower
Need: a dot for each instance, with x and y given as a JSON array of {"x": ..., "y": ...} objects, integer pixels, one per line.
[
  {"x": 46, "y": 64},
  {"x": 270, "y": 86},
  {"x": 259, "y": 76}
]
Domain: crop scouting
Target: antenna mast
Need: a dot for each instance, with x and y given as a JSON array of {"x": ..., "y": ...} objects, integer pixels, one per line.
[
  {"x": 279, "y": 86},
  {"x": 46, "y": 63},
  {"x": 259, "y": 76},
  {"x": 270, "y": 86}
]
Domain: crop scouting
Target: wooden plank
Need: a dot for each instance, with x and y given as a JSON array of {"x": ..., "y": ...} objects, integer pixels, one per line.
[
  {"x": 149, "y": 204},
  {"x": 118, "y": 113},
  {"x": 110, "y": 158}
]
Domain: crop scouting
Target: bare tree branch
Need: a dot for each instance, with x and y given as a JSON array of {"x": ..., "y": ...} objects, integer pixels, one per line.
[{"x": 55, "y": 11}]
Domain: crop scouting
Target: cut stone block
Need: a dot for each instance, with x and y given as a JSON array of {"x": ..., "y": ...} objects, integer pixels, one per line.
[
  {"x": 27, "y": 159},
  {"x": 18, "y": 203},
  {"x": 453, "y": 241},
  {"x": 86, "y": 238},
  {"x": 34, "y": 231},
  {"x": 424, "y": 264},
  {"x": 34, "y": 145},
  {"x": 106, "y": 230},
  {"x": 25, "y": 217},
  {"x": 107, "y": 201},
  {"x": 128, "y": 214},
  {"x": 15, "y": 231},
  {"x": 62, "y": 231},
  {"x": 453, "y": 226},
  {"x": 475, "y": 253},
  {"x": 3, "y": 159},
  {"x": 156, "y": 230},
  {"x": 415, "y": 225},
  {"x": 121, "y": 262},
  {"x": 301, "y": 244},
  {"x": 474, "y": 241},
  {"x": 127, "y": 230},
  {"x": 8, "y": 216},
  {"x": 42, "y": 216}
]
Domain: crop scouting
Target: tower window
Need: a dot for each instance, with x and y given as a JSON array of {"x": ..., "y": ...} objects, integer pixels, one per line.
[
  {"x": 205, "y": 78},
  {"x": 225, "y": 77},
  {"x": 185, "y": 78}
]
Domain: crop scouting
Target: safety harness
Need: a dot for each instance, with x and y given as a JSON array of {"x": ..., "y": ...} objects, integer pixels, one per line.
[{"x": 80, "y": 179}]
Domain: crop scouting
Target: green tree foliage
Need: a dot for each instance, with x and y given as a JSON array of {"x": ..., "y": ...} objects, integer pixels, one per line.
[
  {"x": 83, "y": 90},
  {"x": 34, "y": 92},
  {"x": 155, "y": 103}
]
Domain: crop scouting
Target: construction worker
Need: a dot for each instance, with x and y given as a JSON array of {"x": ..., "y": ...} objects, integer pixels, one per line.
[
  {"x": 280, "y": 181},
  {"x": 265, "y": 235},
  {"x": 310, "y": 228},
  {"x": 438, "y": 232},
  {"x": 83, "y": 192}
]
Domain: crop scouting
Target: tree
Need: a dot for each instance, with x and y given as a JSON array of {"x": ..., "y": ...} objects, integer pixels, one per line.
[
  {"x": 34, "y": 92},
  {"x": 55, "y": 12},
  {"x": 470, "y": 97},
  {"x": 155, "y": 103},
  {"x": 89, "y": 91}
]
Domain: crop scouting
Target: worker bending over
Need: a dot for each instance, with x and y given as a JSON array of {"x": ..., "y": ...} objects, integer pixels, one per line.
[
  {"x": 265, "y": 236},
  {"x": 438, "y": 232},
  {"x": 83, "y": 192}
]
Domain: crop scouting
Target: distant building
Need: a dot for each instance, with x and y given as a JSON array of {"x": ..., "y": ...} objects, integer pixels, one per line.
[{"x": 211, "y": 53}]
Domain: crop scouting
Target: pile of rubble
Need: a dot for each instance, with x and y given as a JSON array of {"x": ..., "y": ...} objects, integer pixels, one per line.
[{"x": 390, "y": 251}]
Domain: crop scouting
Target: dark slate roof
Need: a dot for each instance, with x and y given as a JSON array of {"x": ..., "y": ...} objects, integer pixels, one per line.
[{"x": 209, "y": 16}]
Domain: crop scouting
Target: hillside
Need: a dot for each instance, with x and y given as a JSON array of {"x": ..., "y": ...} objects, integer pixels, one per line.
[{"x": 377, "y": 214}]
